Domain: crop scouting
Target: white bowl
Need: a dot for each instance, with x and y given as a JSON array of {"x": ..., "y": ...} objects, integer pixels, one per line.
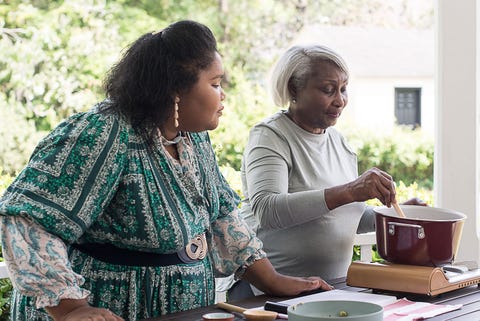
[
  {"x": 335, "y": 310},
  {"x": 218, "y": 316}
]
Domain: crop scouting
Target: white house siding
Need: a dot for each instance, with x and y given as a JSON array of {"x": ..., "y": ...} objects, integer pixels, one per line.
[
  {"x": 372, "y": 101},
  {"x": 379, "y": 61}
]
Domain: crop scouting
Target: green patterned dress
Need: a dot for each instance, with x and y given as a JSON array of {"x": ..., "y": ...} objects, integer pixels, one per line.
[{"x": 93, "y": 179}]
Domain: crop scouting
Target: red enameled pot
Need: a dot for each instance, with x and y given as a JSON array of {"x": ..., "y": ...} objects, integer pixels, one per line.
[{"x": 427, "y": 236}]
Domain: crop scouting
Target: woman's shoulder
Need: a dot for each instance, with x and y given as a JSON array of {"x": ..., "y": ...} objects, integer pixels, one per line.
[
  {"x": 99, "y": 114},
  {"x": 275, "y": 124},
  {"x": 272, "y": 132},
  {"x": 104, "y": 115},
  {"x": 273, "y": 120},
  {"x": 98, "y": 118},
  {"x": 93, "y": 127}
]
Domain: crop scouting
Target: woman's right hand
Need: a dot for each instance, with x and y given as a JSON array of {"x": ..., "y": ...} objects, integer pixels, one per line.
[
  {"x": 374, "y": 183},
  {"x": 91, "y": 313}
]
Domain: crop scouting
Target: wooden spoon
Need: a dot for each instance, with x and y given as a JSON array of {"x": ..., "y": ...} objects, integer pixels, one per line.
[
  {"x": 398, "y": 209},
  {"x": 250, "y": 314}
]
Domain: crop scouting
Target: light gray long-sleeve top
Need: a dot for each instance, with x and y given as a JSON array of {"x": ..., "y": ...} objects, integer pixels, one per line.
[{"x": 285, "y": 171}]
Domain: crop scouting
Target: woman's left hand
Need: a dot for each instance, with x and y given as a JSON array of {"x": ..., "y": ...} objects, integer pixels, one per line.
[
  {"x": 264, "y": 277},
  {"x": 285, "y": 285},
  {"x": 415, "y": 201}
]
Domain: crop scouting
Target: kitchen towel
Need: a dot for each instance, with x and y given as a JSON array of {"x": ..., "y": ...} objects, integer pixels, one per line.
[{"x": 406, "y": 310}]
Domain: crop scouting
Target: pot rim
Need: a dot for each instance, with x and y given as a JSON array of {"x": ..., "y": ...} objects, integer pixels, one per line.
[{"x": 390, "y": 212}]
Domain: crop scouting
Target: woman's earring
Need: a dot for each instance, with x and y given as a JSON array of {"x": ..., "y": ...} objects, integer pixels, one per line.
[
  {"x": 175, "y": 115},
  {"x": 294, "y": 101}
]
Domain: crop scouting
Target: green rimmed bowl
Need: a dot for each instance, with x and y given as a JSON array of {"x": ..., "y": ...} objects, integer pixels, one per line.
[{"x": 335, "y": 310}]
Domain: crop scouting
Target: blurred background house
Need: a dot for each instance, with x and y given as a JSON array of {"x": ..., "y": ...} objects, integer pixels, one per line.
[{"x": 392, "y": 73}]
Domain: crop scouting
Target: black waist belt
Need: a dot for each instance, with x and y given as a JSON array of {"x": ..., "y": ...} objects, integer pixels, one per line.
[{"x": 193, "y": 252}]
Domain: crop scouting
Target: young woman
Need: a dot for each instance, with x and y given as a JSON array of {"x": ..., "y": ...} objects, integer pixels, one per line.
[{"x": 122, "y": 212}]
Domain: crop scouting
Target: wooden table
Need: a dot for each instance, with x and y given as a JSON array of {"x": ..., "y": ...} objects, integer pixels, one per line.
[{"x": 469, "y": 297}]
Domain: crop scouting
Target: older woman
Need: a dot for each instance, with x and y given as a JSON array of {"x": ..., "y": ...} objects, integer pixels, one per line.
[
  {"x": 122, "y": 212},
  {"x": 303, "y": 193}
]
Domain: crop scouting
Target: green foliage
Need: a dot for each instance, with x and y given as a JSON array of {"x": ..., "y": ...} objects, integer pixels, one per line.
[
  {"x": 18, "y": 136},
  {"x": 233, "y": 178},
  {"x": 5, "y": 181},
  {"x": 5, "y": 284},
  {"x": 55, "y": 54},
  {"x": 246, "y": 104},
  {"x": 5, "y": 295},
  {"x": 406, "y": 154},
  {"x": 375, "y": 256},
  {"x": 51, "y": 67},
  {"x": 52, "y": 64}
]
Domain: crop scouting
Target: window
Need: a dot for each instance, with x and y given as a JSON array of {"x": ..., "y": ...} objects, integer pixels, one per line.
[{"x": 407, "y": 106}]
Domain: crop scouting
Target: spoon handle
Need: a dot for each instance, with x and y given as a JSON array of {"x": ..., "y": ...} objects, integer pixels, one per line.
[
  {"x": 398, "y": 209},
  {"x": 230, "y": 307}
]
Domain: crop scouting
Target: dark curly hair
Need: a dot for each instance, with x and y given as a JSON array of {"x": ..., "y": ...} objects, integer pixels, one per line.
[{"x": 142, "y": 86}]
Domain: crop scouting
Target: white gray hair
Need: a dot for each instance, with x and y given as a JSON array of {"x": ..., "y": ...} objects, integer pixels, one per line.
[{"x": 294, "y": 67}]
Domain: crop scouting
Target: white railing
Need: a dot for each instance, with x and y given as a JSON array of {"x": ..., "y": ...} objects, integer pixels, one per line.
[
  {"x": 3, "y": 271},
  {"x": 365, "y": 241}
]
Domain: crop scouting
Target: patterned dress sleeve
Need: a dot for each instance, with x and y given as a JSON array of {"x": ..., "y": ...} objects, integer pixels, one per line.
[
  {"x": 38, "y": 263},
  {"x": 69, "y": 181},
  {"x": 72, "y": 175},
  {"x": 233, "y": 245}
]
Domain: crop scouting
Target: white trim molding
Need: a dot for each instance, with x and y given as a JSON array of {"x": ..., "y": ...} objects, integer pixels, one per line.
[{"x": 456, "y": 173}]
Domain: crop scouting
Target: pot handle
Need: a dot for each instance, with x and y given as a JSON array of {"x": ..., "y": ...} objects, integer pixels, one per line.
[{"x": 391, "y": 228}]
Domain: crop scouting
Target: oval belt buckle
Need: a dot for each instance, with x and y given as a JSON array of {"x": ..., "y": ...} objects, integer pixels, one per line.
[{"x": 196, "y": 249}]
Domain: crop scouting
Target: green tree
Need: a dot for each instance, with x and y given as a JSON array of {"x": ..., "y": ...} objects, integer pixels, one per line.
[{"x": 55, "y": 53}]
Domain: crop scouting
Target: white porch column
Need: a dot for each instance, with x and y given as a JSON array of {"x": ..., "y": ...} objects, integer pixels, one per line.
[{"x": 457, "y": 153}]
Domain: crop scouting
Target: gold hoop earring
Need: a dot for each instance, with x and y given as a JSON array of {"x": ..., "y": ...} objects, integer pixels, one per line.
[{"x": 175, "y": 114}]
